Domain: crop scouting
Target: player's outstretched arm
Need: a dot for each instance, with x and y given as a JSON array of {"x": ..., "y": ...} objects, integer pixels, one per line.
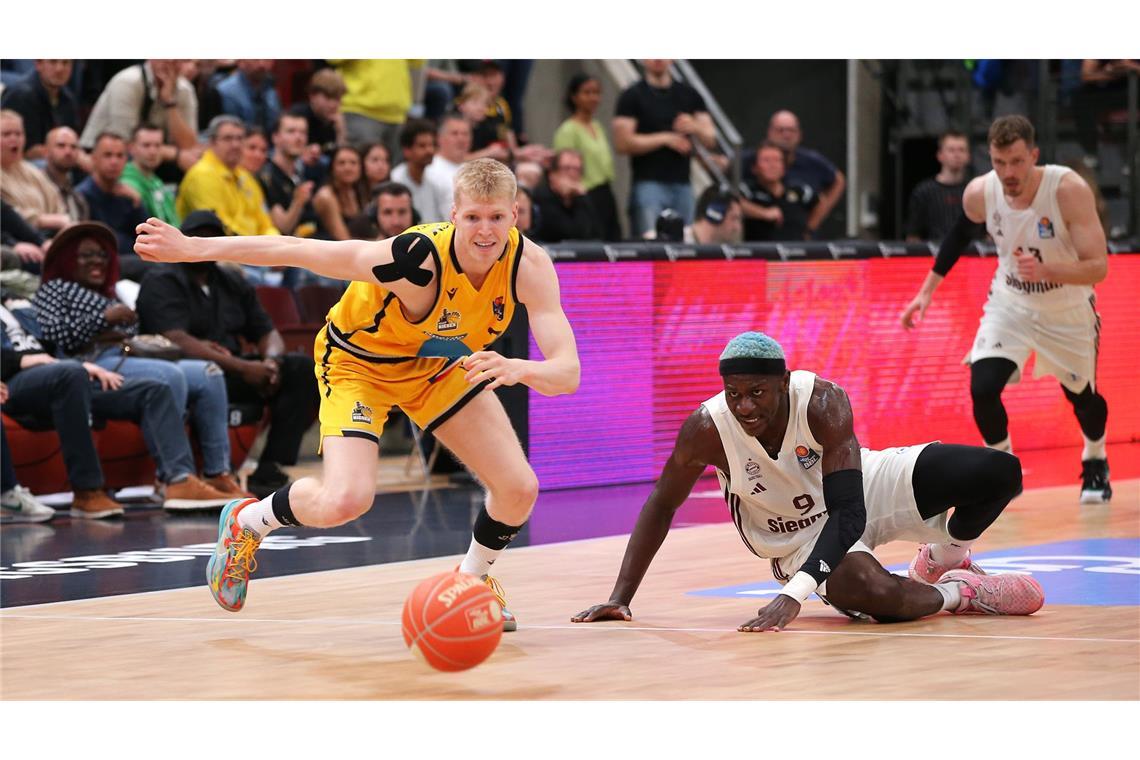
[
  {"x": 342, "y": 260},
  {"x": 832, "y": 423},
  {"x": 559, "y": 370},
  {"x": 973, "y": 212},
  {"x": 694, "y": 450}
]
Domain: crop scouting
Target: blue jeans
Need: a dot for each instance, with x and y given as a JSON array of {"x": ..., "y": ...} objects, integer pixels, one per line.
[
  {"x": 62, "y": 394},
  {"x": 648, "y": 199},
  {"x": 199, "y": 387}
]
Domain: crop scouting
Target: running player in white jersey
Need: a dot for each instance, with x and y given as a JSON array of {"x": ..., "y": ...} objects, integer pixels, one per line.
[
  {"x": 1051, "y": 251},
  {"x": 805, "y": 496}
]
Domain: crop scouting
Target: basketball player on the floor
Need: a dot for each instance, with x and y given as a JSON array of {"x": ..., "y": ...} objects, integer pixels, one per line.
[
  {"x": 413, "y": 331},
  {"x": 1051, "y": 251},
  {"x": 805, "y": 496}
]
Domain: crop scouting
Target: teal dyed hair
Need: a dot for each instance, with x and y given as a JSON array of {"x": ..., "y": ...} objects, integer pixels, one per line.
[{"x": 752, "y": 345}]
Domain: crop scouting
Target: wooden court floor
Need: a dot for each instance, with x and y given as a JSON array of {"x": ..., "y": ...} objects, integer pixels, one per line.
[{"x": 336, "y": 635}]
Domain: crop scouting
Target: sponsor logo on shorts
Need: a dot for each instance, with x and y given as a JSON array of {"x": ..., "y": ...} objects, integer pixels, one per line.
[
  {"x": 449, "y": 320},
  {"x": 1044, "y": 228},
  {"x": 362, "y": 413},
  {"x": 806, "y": 456}
]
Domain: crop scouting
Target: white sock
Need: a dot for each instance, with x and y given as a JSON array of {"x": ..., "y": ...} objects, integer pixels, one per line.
[
  {"x": 950, "y": 554},
  {"x": 1094, "y": 449},
  {"x": 479, "y": 559},
  {"x": 1003, "y": 445},
  {"x": 259, "y": 517},
  {"x": 951, "y": 594}
]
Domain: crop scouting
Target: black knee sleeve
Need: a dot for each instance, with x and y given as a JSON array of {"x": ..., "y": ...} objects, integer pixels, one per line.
[
  {"x": 1091, "y": 410},
  {"x": 977, "y": 482},
  {"x": 987, "y": 380}
]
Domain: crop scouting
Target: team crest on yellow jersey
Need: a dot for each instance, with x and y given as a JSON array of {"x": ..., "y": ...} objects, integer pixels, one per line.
[
  {"x": 362, "y": 413},
  {"x": 449, "y": 320}
]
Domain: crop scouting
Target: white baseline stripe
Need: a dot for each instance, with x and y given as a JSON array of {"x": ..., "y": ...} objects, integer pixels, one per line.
[{"x": 570, "y": 627}]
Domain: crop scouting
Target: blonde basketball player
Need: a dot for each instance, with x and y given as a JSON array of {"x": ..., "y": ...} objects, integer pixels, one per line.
[
  {"x": 413, "y": 330},
  {"x": 1051, "y": 251}
]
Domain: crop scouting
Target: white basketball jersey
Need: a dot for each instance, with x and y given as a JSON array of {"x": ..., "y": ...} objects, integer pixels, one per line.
[
  {"x": 1038, "y": 231},
  {"x": 776, "y": 504}
]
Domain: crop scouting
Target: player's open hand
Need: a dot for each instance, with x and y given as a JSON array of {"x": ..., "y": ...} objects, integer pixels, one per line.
[
  {"x": 919, "y": 305},
  {"x": 159, "y": 241},
  {"x": 607, "y": 611},
  {"x": 489, "y": 365},
  {"x": 773, "y": 617}
]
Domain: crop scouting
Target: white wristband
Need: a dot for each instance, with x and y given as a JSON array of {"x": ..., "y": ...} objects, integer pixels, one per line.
[{"x": 800, "y": 587}]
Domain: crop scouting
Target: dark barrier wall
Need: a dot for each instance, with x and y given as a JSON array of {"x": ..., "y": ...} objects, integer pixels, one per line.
[{"x": 649, "y": 334}]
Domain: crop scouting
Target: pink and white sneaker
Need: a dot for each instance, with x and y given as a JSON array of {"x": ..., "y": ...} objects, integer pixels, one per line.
[
  {"x": 925, "y": 570},
  {"x": 1004, "y": 594}
]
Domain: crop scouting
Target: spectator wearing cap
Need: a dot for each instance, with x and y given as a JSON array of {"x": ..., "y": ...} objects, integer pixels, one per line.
[
  {"x": 113, "y": 202},
  {"x": 248, "y": 94},
  {"x": 207, "y": 311},
  {"x": 806, "y": 167},
  {"x": 564, "y": 210},
  {"x": 219, "y": 183},
  {"x": 44, "y": 101},
  {"x": 774, "y": 207},
  {"x": 655, "y": 122},
  {"x": 719, "y": 219}
]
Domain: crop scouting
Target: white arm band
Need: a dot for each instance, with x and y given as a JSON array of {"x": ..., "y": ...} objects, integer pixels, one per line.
[{"x": 800, "y": 587}]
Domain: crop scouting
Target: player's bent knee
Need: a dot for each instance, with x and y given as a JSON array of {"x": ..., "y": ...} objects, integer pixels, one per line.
[
  {"x": 344, "y": 505},
  {"x": 1007, "y": 469}
]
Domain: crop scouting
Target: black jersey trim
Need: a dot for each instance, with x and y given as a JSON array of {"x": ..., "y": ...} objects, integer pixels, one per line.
[
  {"x": 515, "y": 270},
  {"x": 337, "y": 339},
  {"x": 358, "y": 433},
  {"x": 451, "y": 411}
]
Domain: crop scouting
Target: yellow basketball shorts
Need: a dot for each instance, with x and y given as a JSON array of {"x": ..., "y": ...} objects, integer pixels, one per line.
[{"x": 357, "y": 394}]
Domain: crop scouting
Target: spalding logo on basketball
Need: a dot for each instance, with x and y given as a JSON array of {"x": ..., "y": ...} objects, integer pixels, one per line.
[{"x": 452, "y": 621}]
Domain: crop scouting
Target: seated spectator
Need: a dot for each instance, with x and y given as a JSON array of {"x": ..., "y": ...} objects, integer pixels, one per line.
[
  {"x": 20, "y": 240},
  {"x": 152, "y": 92},
  {"x": 564, "y": 211},
  {"x": 936, "y": 202},
  {"x": 530, "y": 175},
  {"x": 322, "y": 114},
  {"x": 341, "y": 200},
  {"x": 584, "y": 133},
  {"x": 719, "y": 219},
  {"x": 654, "y": 124},
  {"x": 139, "y": 174},
  {"x": 389, "y": 214},
  {"x": 44, "y": 102},
  {"x": 114, "y": 203},
  {"x": 27, "y": 189},
  {"x": 254, "y": 151},
  {"x": 16, "y": 502},
  {"x": 66, "y": 393},
  {"x": 806, "y": 167},
  {"x": 219, "y": 183},
  {"x": 417, "y": 142},
  {"x": 208, "y": 311},
  {"x": 79, "y": 313},
  {"x": 377, "y": 165},
  {"x": 61, "y": 165},
  {"x": 444, "y": 81},
  {"x": 525, "y": 202},
  {"x": 499, "y": 120},
  {"x": 248, "y": 94},
  {"x": 288, "y": 191},
  {"x": 453, "y": 144},
  {"x": 774, "y": 208},
  {"x": 472, "y": 104}
]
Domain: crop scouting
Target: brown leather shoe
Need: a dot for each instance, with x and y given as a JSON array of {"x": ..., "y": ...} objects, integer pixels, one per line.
[
  {"x": 193, "y": 493},
  {"x": 94, "y": 505},
  {"x": 227, "y": 484}
]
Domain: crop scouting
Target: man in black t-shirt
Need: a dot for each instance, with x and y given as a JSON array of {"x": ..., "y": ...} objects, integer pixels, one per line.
[
  {"x": 655, "y": 121},
  {"x": 287, "y": 182},
  {"x": 775, "y": 209},
  {"x": 565, "y": 211},
  {"x": 936, "y": 202},
  {"x": 323, "y": 116}
]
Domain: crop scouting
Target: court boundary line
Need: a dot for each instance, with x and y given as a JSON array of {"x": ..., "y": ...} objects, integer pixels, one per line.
[{"x": 558, "y": 627}]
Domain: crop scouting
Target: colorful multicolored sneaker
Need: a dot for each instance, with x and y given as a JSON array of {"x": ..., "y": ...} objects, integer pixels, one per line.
[
  {"x": 1004, "y": 594},
  {"x": 509, "y": 622},
  {"x": 227, "y": 572},
  {"x": 925, "y": 570}
]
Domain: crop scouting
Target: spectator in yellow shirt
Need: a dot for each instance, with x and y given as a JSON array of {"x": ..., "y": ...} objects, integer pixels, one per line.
[
  {"x": 218, "y": 182},
  {"x": 377, "y": 99}
]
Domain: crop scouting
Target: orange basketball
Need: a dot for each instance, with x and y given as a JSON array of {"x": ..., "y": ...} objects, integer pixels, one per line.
[{"x": 452, "y": 621}]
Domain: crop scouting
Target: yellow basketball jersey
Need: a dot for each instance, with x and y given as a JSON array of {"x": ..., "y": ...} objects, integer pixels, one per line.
[{"x": 368, "y": 322}]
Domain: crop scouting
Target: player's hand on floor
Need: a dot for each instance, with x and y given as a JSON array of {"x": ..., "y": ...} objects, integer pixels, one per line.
[
  {"x": 607, "y": 611},
  {"x": 488, "y": 365},
  {"x": 773, "y": 617}
]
